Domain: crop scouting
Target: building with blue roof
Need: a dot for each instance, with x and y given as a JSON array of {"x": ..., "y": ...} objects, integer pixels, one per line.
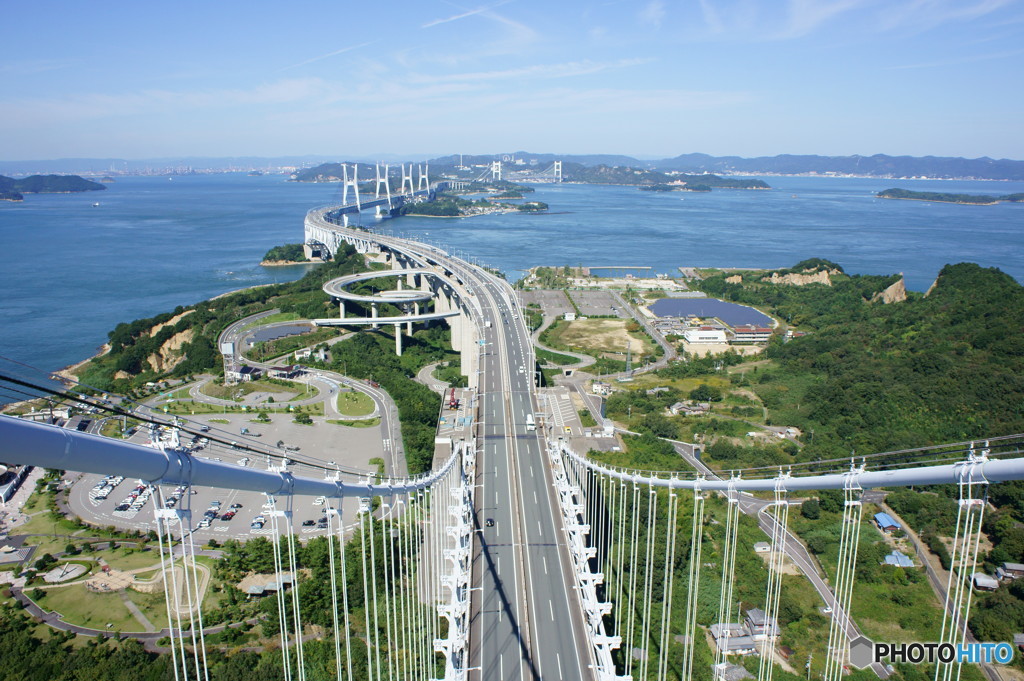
[
  {"x": 899, "y": 559},
  {"x": 886, "y": 523}
]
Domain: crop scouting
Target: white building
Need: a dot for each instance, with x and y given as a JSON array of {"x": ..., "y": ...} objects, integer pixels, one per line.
[{"x": 704, "y": 334}]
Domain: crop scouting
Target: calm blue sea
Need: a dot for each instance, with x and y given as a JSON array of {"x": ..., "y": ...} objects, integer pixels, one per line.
[{"x": 72, "y": 271}]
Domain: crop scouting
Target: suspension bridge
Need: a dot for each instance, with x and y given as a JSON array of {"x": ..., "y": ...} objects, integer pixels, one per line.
[{"x": 518, "y": 557}]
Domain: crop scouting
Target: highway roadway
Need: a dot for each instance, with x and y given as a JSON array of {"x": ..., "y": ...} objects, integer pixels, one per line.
[{"x": 525, "y": 619}]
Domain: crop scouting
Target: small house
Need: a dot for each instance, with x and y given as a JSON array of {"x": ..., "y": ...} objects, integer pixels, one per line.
[
  {"x": 1012, "y": 570},
  {"x": 886, "y": 523},
  {"x": 730, "y": 672},
  {"x": 289, "y": 371},
  {"x": 983, "y": 582},
  {"x": 762, "y": 547},
  {"x": 733, "y": 639},
  {"x": 898, "y": 559},
  {"x": 761, "y": 626}
]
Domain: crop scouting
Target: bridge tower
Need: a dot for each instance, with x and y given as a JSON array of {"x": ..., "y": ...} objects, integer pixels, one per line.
[
  {"x": 354, "y": 183},
  {"x": 383, "y": 180},
  {"x": 424, "y": 180},
  {"x": 558, "y": 171},
  {"x": 407, "y": 179},
  {"x": 496, "y": 170}
]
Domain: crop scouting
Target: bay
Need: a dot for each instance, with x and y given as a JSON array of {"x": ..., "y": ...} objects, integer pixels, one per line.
[{"x": 71, "y": 272}]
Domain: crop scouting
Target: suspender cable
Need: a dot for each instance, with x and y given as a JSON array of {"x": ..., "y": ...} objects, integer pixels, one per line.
[
  {"x": 728, "y": 557},
  {"x": 373, "y": 585},
  {"x": 849, "y": 541},
  {"x": 693, "y": 585},
  {"x": 387, "y": 539},
  {"x": 633, "y": 572},
  {"x": 670, "y": 565},
  {"x": 163, "y": 527},
  {"x": 367, "y": 605},
  {"x": 282, "y": 617},
  {"x": 197, "y": 599},
  {"x": 652, "y": 512},
  {"x": 766, "y": 666},
  {"x": 293, "y": 566},
  {"x": 620, "y": 577},
  {"x": 332, "y": 516}
]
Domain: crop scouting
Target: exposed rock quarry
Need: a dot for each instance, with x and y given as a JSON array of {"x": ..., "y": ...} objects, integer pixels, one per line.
[
  {"x": 170, "y": 322},
  {"x": 896, "y": 293},
  {"x": 794, "y": 279},
  {"x": 170, "y": 352}
]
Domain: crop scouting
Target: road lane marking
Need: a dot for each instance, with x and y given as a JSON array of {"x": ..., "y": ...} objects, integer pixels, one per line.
[
  {"x": 545, "y": 559},
  {"x": 551, "y": 611}
]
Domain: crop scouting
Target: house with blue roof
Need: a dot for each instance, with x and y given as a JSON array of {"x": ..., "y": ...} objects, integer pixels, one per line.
[
  {"x": 886, "y": 523},
  {"x": 899, "y": 559}
]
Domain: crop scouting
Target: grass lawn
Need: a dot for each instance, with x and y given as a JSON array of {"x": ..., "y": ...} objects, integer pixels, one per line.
[
  {"x": 36, "y": 502},
  {"x": 362, "y": 423},
  {"x": 271, "y": 319},
  {"x": 228, "y": 392},
  {"x": 130, "y": 559},
  {"x": 80, "y": 606},
  {"x": 355, "y": 403}
]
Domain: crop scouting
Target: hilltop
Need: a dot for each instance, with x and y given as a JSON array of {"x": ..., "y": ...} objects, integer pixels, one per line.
[{"x": 48, "y": 184}]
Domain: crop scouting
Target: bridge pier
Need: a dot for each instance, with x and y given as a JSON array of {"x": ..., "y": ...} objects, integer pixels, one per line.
[
  {"x": 341, "y": 308},
  {"x": 373, "y": 313},
  {"x": 398, "y": 339}
]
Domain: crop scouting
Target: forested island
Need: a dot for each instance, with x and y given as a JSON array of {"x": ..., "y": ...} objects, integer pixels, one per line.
[
  {"x": 288, "y": 254},
  {"x": 704, "y": 183},
  {"x": 11, "y": 188},
  {"x": 654, "y": 179},
  {"x": 944, "y": 197},
  {"x": 455, "y": 207}
]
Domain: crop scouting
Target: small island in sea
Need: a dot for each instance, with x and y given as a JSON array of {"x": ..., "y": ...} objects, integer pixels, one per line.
[
  {"x": 288, "y": 254},
  {"x": 11, "y": 189},
  {"x": 455, "y": 207},
  {"x": 704, "y": 183},
  {"x": 944, "y": 197}
]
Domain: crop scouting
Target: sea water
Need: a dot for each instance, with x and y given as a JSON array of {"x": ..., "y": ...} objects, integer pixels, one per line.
[{"x": 71, "y": 271}]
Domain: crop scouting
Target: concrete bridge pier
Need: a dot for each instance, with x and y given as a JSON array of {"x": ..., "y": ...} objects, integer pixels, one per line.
[
  {"x": 398, "y": 339},
  {"x": 341, "y": 308},
  {"x": 373, "y": 313}
]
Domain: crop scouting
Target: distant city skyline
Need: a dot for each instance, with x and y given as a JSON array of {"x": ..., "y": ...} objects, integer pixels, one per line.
[{"x": 649, "y": 79}]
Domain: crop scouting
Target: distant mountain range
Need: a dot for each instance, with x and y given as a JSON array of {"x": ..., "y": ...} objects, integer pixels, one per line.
[{"x": 879, "y": 165}]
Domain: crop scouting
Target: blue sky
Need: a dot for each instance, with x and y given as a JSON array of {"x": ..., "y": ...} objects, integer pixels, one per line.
[{"x": 650, "y": 78}]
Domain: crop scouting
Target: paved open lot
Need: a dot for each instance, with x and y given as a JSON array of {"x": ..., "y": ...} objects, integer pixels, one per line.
[
  {"x": 349, "y": 448},
  {"x": 600, "y": 303},
  {"x": 552, "y": 302}
]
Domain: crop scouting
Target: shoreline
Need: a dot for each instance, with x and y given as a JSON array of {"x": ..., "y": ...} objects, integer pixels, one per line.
[
  {"x": 285, "y": 263},
  {"x": 955, "y": 203}
]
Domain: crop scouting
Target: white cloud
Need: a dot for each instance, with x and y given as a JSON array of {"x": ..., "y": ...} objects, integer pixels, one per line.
[
  {"x": 565, "y": 70},
  {"x": 653, "y": 13},
  {"x": 456, "y": 17},
  {"x": 325, "y": 56}
]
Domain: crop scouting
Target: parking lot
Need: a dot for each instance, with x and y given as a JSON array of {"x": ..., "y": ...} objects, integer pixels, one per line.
[
  {"x": 597, "y": 303},
  {"x": 552, "y": 302},
  {"x": 123, "y": 505}
]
